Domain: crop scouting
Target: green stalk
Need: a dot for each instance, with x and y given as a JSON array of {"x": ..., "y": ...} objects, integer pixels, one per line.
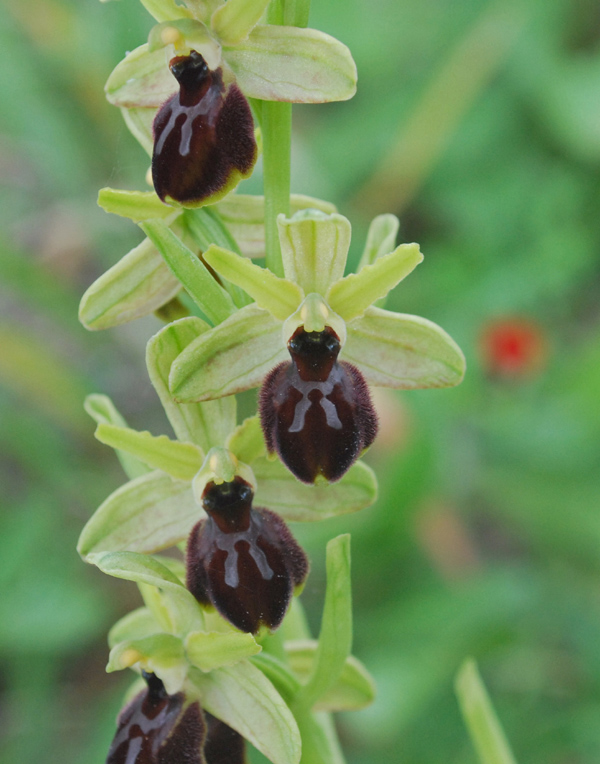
[{"x": 276, "y": 126}]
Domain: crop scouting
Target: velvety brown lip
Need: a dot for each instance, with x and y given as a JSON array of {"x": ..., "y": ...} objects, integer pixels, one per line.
[
  {"x": 202, "y": 134},
  {"x": 243, "y": 560},
  {"x": 316, "y": 412}
]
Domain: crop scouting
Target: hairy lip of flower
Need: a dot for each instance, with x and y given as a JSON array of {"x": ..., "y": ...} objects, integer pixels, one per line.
[
  {"x": 242, "y": 560},
  {"x": 203, "y": 136},
  {"x": 316, "y": 413}
]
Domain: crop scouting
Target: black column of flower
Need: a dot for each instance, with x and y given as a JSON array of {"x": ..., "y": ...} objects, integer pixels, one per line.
[
  {"x": 243, "y": 560},
  {"x": 316, "y": 412}
]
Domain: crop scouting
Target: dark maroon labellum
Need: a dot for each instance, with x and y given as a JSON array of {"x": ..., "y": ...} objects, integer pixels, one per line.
[
  {"x": 157, "y": 728},
  {"x": 243, "y": 560},
  {"x": 316, "y": 412},
  {"x": 203, "y": 135}
]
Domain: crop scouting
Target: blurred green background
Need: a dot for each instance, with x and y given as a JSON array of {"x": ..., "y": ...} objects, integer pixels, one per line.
[{"x": 478, "y": 124}]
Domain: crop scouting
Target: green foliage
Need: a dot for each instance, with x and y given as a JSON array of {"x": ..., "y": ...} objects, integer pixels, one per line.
[{"x": 504, "y": 471}]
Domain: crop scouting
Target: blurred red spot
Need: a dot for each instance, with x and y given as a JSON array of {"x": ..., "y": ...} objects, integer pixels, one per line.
[{"x": 513, "y": 347}]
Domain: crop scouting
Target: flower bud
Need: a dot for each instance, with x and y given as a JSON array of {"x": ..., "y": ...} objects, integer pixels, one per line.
[
  {"x": 316, "y": 412},
  {"x": 203, "y": 136},
  {"x": 158, "y": 728},
  {"x": 243, "y": 560}
]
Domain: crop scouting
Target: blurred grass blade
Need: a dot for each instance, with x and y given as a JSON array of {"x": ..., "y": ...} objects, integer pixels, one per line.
[
  {"x": 478, "y": 713},
  {"x": 420, "y": 142}
]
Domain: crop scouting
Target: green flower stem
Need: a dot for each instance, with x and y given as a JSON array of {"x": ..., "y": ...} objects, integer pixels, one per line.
[{"x": 276, "y": 126}]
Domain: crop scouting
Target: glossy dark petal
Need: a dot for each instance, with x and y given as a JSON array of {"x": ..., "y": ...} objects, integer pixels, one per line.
[
  {"x": 243, "y": 560},
  {"x": 157, "y": 728},
  {"x": 223, "y": 745},
  {"x": 203, "y": 136},
  {"x": 316, "y": 412}
]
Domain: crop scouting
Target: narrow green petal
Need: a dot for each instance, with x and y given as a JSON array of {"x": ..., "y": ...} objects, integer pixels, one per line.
[
  {"x": 159, "y": 653},
  {"x": 165, "y": 10},
  {"x": 247, "y": 441},
  {"x": 210, "y": 297},
  {"x": 232, "y": 357},
  {"x": 279, "y": 490},
  {"x": 478, "y": 713},
  {"x": 141, "y": 79},
  {"x": 143, "y": 569},
  {"x": 279, "y": 296},
  {"x": 103, "y": 411},
  {"x": 135, "y": 625},
  {"x": 402, "y": 351},
  {"x": 134, "y": 287},
  {"x": 335, "y": 638},
  {"x": 180, "y": 460},
  {"x": 354, "y": 688},
  {"x": 245, "y": 699},
  {"x": 314, "y": 247},
  {"x": 279, "y": 63},
  {"x": 350, "y": 297},
  {"x": 244, "y": 216},
  {"x": 234, "y": 20},
  {"x": 381, "y": 239},
  {"x": 149, "y": 513},
  {"x": 135, "y": 205},
  {"x": 205, "y": 424},
  {"x": 212, "y": 650}
]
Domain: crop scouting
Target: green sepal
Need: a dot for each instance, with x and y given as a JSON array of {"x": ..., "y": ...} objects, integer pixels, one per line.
[
  {"x": 103, "y": 411},
  {"x": 139, "y": 122},
  {"x": 136, "y": 286},
  {"x": 206, "y": 424},
  {"x": 211, "y": 650},
  {"x": 165, "y": 10},
  {"x": 186, "y": 614},
  {"x": 159, "y": 653},
  {"x": 232, "y": 357},
  {"x": 279, "y": 490},
  {"x": 244, "y": 216},
  {"x": 135, "y": 205},
  {"x": 314, "y": 248},
  {"x": 141, "y": 79},
  {"x": 247, "y": 441},
  {"x": 210, "y": 297},
  {"x": 351, "y": 296},
  {"x": 279, "y": 296},
  {"x": 138, "y": 624},
  {"x": 233, "y": 21},
  {"x": 402, "y": 351},
  {"x": 381, "y": 239},
  {"x": 277, "y": 63},
  {"x": 335, "y": 638},
  {"x": 180, "y": 460},
  {"x": 147, "y": 514},
  {"x": 246, "y": 700},
  {"x": 353, "y": 689}
]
